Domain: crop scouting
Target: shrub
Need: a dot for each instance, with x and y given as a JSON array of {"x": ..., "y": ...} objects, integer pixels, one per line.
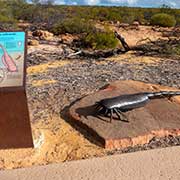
[
  {"x": 5, "y": 19},
  {"x": 177, "y": 50},
  {"x": 178, "y": 21},
  {"x": 101, "y": 40},
  {"x": 128, "y": 18},
  {"x": 7, "y": 23},
  {"x": 72, "y": 26},
  {"x": 162, "y": 19},
  {"x": 114, "y": 16},
  {"x": 173, "y": 50}
]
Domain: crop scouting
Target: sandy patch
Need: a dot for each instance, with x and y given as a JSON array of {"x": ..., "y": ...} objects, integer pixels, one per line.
[
  {"x": 42, "y": 82},
  {"x": 54, "y": 141},
  {"x": 43, "y": 68},
  {"x": 130, "y": 57}
]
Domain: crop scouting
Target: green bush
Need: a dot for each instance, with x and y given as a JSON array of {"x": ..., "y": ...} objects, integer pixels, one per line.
[
  {"x": 114, "y": 16},
  {"x": 162, "y": 19},
  {"x": 105, "y": 14},
  {"x": 5, "y": 19},
  {"x": 72, "y": 26},
  {"x": 178, "y": 21},
  {"x": 177, "y": 50},
  {"x": 7, "y": 23},
  {"x": 173, "y": 50},
  {"x": 101, "y": 40}
]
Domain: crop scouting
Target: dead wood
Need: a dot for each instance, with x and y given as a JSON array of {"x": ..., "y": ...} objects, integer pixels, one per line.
[
  {"x": 122, "y": 40},
  {"x": 144, "y": 46},
  {"x": 103, "y": 53},
  {"x": 98, "y": 54}
]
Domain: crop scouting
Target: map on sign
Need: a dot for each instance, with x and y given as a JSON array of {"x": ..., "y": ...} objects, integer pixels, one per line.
[{"x": 12, "y": 47}]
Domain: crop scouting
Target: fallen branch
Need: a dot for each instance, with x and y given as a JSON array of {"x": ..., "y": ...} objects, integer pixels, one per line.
[
  {"x": 101, "y": 54},
  {"x": 122, "y": 40},
  {"x": 74, "y": 54},
  {"x": 143, "y": 40}
]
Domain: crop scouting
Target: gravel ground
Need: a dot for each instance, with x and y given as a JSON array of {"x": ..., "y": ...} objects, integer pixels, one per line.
[{"x": 80, "y": 77}]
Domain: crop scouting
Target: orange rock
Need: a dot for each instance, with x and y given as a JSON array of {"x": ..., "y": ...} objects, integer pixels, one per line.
[
  {"x": 43, "y": 35},
  {"x": 33, "y": 42}
]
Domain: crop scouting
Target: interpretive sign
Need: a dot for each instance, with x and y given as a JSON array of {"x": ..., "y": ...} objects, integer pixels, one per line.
[
  {"x": 14, "y": 120},
  {"x": 12, "y": 51}
]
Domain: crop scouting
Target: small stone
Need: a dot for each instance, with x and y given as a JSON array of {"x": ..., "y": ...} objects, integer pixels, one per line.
[{"x": 33, "y": 42}]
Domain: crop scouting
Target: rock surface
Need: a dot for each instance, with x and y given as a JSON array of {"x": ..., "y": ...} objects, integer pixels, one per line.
[{"x": 159, "y": 118}]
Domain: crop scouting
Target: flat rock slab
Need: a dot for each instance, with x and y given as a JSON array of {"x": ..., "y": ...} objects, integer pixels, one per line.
[{"x": 159, "y": 118}]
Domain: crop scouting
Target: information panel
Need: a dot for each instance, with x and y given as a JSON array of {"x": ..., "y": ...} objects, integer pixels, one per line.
[
  {"x": 12, "y": 53},
  {"x": 14, "y": 120}
]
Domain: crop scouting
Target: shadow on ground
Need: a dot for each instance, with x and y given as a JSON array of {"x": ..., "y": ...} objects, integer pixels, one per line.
[
  {"x": 81, "y": 127},
  {"x": 160, "y": 48}
]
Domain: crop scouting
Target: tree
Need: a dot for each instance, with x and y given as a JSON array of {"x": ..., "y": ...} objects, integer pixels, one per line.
[
  {"x": 35, "y": 1},
  {"x": 45, "y": 2},
  {"x": 49, "y": 2},
  {"x": 165, "y": 9}
]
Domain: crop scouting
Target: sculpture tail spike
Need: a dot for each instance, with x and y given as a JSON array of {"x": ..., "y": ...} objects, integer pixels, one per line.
[{"x": 163, "y": 93}]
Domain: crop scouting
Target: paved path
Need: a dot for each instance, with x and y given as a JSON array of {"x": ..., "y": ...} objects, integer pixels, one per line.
[{"x": 159, "y": 164}]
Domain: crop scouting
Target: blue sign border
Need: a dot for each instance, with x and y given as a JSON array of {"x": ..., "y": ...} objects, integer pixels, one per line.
[{"x": 14, "y": 88}]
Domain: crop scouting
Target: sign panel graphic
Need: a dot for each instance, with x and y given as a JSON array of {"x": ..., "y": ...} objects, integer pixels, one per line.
[{"x": 12, "y": 47}]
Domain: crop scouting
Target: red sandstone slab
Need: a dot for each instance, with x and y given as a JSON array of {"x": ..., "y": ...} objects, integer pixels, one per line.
[{"x": 160, "y": 117}]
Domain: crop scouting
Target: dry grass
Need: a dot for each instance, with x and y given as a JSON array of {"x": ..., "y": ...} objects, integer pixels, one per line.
[
  {"x": 42, "y": 82},
  {"x": 130, "y": 57},
  {"x": 43, "y": 68}
]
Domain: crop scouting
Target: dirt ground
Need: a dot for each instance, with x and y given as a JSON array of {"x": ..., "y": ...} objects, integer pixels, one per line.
[{"x": 54, "y": 83}]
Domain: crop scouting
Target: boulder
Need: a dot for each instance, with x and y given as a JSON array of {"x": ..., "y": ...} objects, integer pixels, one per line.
[
  {"x": 124, "y": 25},
  {"x": 67, "y": 38},
  {"x": 135, "y": 23},
  {"x": 43, "y": 35}
]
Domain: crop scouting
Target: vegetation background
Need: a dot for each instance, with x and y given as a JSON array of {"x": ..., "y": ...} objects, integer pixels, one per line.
[{"x": 60, "y": 19}]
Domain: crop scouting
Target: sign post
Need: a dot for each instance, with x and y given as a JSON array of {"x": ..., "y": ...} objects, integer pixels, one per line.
[{"x": 15, "y": 129}]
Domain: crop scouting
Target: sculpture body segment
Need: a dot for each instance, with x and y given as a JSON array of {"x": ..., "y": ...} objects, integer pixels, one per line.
[{"x": 123, "y": 103}]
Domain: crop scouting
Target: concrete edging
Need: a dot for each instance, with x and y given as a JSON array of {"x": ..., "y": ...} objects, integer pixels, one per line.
[{"x": 145, "y": 165}]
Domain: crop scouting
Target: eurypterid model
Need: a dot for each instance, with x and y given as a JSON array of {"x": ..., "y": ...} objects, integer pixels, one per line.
[{"x": 124, "y": 103}]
